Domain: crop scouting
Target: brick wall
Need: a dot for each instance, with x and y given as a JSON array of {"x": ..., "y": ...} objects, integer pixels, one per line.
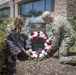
[
  {"x": 11, "y": 8},
  {"x": 3, "y": 1},
  {"x": 65, "y": 8},
  {"x": 60, "y": 7},
  {"x": 71, "y": 8}
]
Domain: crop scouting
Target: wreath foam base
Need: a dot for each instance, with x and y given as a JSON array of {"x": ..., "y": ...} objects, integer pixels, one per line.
[{"x": 38, "y": 55}]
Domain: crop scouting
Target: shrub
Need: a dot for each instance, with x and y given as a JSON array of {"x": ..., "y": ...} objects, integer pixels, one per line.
[
  {"x": 2, "y": 52},
  {"x": 4, "y": 15},
  {"x": 73, "y": 23},
  {"x": 3, "y": 23}
]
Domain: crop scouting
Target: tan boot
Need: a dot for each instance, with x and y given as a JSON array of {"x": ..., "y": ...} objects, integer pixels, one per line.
[
  {"x": 56, "y": 54},
  {"x": 74, "y": 59}
]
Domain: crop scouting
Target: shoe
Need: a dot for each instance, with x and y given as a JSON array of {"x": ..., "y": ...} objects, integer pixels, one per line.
[{"x": 56, "y": 54}]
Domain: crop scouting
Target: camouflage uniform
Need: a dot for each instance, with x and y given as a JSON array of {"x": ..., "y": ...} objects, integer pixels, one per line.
[{"x": 63, "y": 38}]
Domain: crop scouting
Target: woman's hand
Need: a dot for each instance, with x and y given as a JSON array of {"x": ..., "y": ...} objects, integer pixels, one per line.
[{"x": 25, "y": 52}]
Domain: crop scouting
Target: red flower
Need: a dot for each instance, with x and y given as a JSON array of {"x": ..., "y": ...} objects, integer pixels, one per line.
[
  {"x": 31, "y": 53},
  {"x": 27, "y": 48},
  {"x": 33, "y": 38},
  {"x": 48, "y": 43},
  {"x": 38, "y": 53},
  {"x": 32, "y": 33},
  {"x": 38, "y": 34},
  {"x": 44, "y": 40},
  {"x": 45, "y": 34}
]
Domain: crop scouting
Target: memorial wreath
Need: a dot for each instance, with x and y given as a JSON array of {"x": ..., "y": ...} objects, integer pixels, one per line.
[{"x": 38, "y": 54}]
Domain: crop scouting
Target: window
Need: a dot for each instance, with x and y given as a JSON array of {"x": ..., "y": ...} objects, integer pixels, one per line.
[
  {"x": 48, "y": 5},
  {"x": 5, "y": 11},
  {"x": 4, "y": 5},
  {"x": 39, "y": 5},
  {"x": 35, "y": 8},
  {"x": 13, "y": 8}
]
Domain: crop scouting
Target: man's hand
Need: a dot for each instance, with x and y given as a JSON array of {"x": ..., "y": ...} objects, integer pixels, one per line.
[{"x": 48, "y": 48}]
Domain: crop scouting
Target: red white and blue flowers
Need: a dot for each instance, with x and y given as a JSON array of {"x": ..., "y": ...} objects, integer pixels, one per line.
[{"x": 47, "y": 44}]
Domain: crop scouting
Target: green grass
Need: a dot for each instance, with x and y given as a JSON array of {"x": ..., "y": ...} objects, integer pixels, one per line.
[
  {"x": 38, "y": 59},
  {"x": 73, "y": 48}
]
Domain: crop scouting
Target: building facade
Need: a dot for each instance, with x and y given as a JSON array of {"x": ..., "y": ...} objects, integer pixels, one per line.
[{"x": 29, "y": 8}]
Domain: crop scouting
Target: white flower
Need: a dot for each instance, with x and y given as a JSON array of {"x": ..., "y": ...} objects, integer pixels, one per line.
[
  {"x": 30, "y": 37},
  {"x": 50, "y": 38},
  {"x": 45, "y": 53},
  {"x": 34, "y": 55},
  {"x": 30, "y": 50},
  {"x": 41, "y": 33},
  {"x": 47, "y": 40},
  {"x": 35, "y": 33},
  {"x": 48, "y": 47},
  {"x": 43, "y": 36},
  {"x": 41, "y": 55},
  {"x": 45, "y": 44}
]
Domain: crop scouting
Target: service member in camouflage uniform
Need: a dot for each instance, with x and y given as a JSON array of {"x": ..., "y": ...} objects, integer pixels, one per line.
[{"x": 63, "y": 36}]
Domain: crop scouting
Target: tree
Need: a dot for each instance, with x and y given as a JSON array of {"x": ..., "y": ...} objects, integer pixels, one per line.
[{"x": 34, "y": 13}]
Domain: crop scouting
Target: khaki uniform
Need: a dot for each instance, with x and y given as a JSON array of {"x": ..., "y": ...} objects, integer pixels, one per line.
[{"x": 63, "y": 39}]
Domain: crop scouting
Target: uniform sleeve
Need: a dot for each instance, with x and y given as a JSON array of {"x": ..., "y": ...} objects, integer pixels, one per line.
[
  {"x": 56, "y": 36},
  {"x": 56, "y": 28},
  {"x": 16, "y": 39}
]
